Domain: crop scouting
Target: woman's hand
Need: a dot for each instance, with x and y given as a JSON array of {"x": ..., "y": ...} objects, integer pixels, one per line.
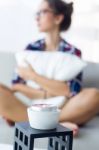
[
  {"x": 16, "y": 87},
  {"x": 26, "y": 73}
]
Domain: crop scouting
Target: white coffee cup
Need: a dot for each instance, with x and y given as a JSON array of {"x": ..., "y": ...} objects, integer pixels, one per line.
[{"x": 43, "y": 117}]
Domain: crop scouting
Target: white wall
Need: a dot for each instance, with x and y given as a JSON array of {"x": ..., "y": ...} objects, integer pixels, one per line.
[
  {"x": 85, "y": 28},
  {"x": 17, "y": 26}
]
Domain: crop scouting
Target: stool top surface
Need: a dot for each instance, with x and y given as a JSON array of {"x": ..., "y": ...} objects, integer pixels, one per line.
[{"x": 26, "y": 129}]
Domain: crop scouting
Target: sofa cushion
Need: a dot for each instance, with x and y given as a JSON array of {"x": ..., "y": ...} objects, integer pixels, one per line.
[
  {"x": 91, "y": 75},
  {"x": 7, "y": 63}
]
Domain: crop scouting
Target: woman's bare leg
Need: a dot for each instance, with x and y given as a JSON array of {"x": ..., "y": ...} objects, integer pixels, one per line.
[
  {"x": 79, "y": 109},
  {"x": 82, "y": 107},
  {"x": 10, "y": 107}
]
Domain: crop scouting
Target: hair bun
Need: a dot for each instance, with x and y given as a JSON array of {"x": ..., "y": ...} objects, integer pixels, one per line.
[{"x": 69, "y": 8}]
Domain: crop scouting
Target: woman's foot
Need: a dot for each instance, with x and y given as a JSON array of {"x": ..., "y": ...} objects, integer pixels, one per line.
[
  {"x": 9, "y": 122},
  {"x": 71, "y": 126}
]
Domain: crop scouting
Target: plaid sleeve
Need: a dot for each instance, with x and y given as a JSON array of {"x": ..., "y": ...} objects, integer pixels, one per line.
[{"x": 76, "y": 84}]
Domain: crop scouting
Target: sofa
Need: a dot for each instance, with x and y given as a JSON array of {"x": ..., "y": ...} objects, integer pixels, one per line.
[{"x": 89, "y": 134}]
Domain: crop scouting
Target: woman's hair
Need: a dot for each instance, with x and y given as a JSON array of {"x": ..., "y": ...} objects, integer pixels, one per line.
[{"x": 61, "y": 7}]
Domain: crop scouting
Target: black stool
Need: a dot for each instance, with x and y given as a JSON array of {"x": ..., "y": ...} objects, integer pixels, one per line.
[{"x": 60, "y": 138}]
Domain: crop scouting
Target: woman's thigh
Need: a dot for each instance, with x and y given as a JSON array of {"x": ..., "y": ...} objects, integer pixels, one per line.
[{"x": 81, "y": 107}]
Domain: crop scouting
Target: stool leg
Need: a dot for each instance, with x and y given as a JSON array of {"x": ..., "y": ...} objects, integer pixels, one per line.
[
  {"x": 23, "y": 141},
  {"x": 60, "y": 142},
  {"x": 51, "y": 143},
  {"x": 70, "y": 142},
  {"x": 31, "y": 146}
]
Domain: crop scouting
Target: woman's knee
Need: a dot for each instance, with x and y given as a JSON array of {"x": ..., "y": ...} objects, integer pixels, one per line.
[
  {"x": 93, "y": 92},
  {"x": 5, "y": 101},
  {"x": 92, "y": 97},
  {"x": 1, "y": 86},
  {"x": 4, "y": 107}
]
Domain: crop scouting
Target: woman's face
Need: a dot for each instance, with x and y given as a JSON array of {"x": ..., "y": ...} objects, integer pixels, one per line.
[{"x": 45, "y": 17}]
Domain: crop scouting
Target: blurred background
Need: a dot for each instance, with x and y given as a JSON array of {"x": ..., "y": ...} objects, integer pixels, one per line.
[{"x": 18, "y": 27}]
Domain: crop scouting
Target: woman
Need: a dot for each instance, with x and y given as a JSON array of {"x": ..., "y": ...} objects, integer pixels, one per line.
[{"x": 53, "y": 17}]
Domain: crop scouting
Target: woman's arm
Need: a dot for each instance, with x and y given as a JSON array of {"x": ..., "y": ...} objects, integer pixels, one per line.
[
  {"x": 53, "y": 87},
  {"x": 28, "y": 91}
]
